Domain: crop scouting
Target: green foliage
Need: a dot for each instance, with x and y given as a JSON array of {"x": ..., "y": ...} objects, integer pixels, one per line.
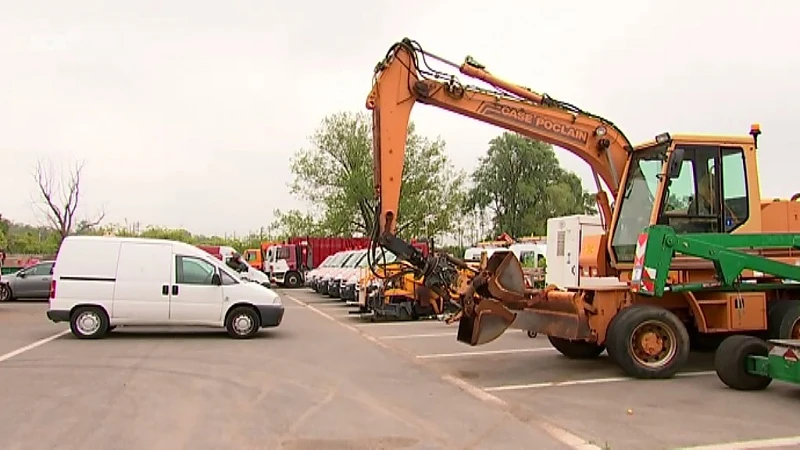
[
  {"x": 522, "y": 184},
  {"x": 18, "y": 238},
  {"x": 336, "y": 175},
  {"x": 296, "y": 223}
]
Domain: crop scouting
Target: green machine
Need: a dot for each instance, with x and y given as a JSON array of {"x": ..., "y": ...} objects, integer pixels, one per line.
[{"x": 742, "y": 361}]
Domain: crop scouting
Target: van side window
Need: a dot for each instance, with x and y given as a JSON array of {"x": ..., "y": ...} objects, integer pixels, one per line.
[
  {"x": 189, "y": 270},
  {"x": 227, "y": 279}
]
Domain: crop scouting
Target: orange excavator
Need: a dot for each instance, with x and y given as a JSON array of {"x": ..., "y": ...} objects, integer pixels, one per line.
[{"x": 647, "y": 336}]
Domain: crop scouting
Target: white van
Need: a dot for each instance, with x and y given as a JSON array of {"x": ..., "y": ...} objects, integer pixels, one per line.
[{"x": 101, "y": 282}]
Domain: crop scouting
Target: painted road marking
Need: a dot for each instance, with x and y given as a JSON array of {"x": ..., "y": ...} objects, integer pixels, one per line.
[
  {"x": 408, "y": 322},
  {"x": 747, "y": 445},
  {"x": 38, "y": 343},
  {"x": 517, "y": 387},
  {"x": 486, "y": 352},
  {"x": 416, "y": 336},
  {"x": 563, "y": 435}
]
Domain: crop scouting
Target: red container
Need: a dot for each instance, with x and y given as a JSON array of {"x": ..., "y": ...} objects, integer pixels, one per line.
[{"x": 322, "y": 247}]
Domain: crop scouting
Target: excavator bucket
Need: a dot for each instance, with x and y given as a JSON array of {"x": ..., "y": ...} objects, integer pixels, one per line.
[
  {"x": 491, "y": 318},
  {"x": 490, "y": 321},
  {"x": 506, "y": 280}
]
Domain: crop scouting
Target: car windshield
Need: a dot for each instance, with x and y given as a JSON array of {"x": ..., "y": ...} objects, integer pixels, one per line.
[
  {"x": 355, "y": 259},
  {"x": 379, "y": 258},
  {"x": 637, "y": 199},
  {"x": 336, "y": 260},
  {"x": 343, "y": 261}
]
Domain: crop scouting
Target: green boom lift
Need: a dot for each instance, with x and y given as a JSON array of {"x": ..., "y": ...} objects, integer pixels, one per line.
[{"x": 742, "y": 362}]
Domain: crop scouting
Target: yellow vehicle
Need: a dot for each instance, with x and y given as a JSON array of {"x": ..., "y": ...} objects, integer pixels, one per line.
[
  {"x": 692, "y": 183},
  {"x": 393, "y": 292}
]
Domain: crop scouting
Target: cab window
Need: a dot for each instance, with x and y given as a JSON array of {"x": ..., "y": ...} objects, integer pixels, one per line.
[
  {"x": 734, "y": 188},
  {"x": 709, "y": 193},
  {"x": 190, "y": 270}
]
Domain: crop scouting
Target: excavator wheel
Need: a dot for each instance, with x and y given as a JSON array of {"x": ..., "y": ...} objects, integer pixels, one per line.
[
  {"x": 783, "y": 319},
  {"x": 576, "y": 349},
  {"x": 648, "y": 342}
]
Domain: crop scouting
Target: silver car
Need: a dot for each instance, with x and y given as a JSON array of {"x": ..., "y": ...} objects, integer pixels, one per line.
[{"x": 30, "y": 283}]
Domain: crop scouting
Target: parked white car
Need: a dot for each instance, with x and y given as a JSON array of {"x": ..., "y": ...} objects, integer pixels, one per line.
[
  {"x": 350, "y": 268},
  {"x": 100, "y": 282}
]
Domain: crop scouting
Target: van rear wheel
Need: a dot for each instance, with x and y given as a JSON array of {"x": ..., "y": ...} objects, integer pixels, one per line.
[
  {"x": 89, "y": 322},
  {"x": 243, "y": 322}
]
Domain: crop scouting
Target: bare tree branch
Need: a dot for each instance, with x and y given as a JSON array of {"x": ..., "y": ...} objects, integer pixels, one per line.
[{"x": 60, "y": 212}]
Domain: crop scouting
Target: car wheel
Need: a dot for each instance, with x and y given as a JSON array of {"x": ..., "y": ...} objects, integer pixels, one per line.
[
  {"x": 5, "y": 293},
  {"x": 242, "y": 322},
  {"x": 89, "y": 322}
]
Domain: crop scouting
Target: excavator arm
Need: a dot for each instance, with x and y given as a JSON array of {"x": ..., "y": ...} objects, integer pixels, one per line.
[{"x": 400, "y": 82}]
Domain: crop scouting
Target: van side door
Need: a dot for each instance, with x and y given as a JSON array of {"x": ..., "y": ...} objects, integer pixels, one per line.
[
  {"x": 141, "y": 290},
  {"x": 193, "y": 296}
]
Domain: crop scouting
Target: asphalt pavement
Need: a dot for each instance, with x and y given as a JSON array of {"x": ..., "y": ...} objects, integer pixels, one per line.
[
  {"x": 326, "y": 379},
  {"x": 309, "y": 384}
]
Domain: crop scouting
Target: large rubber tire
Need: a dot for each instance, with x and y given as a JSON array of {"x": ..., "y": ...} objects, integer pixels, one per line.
[
  {"x": 782, "y": 317},
  {"x": 242, "y": 322},
  {"x": 89, "y": 322},
  {"x": 576, "y": 349},
  {"x": 730, "y": 363},
  {"x": 621, "y": 347},
  {"x": 292, "y": 280}
]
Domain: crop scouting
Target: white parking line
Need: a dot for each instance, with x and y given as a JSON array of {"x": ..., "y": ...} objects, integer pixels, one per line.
[
  {"x": 408, "y": 322},
  {"x": 415, "y": 336},
  {"x": 486, "y": 352},
  {"x": 747, "y": 445},
  {"x": 38, "y": 343},
  {"x": 517, "y": 387}
]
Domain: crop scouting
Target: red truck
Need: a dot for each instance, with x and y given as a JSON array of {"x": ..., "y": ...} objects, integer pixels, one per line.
[{"x": 288, "y": 262}]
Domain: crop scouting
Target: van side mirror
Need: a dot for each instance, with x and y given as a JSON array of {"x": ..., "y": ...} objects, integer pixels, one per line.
[
  {"x": 675, "y": 163},
  {"x": 21, "y": 274},
  {"x": 216, "y": 280}
]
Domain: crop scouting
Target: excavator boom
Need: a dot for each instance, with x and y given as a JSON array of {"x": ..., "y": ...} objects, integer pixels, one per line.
[{"x": 400, "y": 82}]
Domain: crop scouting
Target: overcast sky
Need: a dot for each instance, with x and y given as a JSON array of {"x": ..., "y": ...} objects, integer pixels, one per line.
[{"x": 188, "y": 112}]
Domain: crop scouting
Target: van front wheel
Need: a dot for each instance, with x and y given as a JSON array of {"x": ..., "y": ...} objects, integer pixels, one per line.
[
  {"x": 89, "y": 322},
  {"x": 242, "y": 322}
]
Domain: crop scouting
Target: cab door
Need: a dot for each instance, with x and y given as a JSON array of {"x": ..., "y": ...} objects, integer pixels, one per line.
[{"x": 193, "y": 295}]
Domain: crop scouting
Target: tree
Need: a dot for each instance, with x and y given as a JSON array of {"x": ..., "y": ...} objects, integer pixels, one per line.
[
  {"x": 296, "y": 223},
  {"x": 337, "y": 174},
  {"x": 59, "y": 199},
  {"x": 522, "y": 184}
]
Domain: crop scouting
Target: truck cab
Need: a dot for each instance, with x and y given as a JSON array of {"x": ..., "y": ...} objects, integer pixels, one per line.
[{"x": 288, "y": 263}]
